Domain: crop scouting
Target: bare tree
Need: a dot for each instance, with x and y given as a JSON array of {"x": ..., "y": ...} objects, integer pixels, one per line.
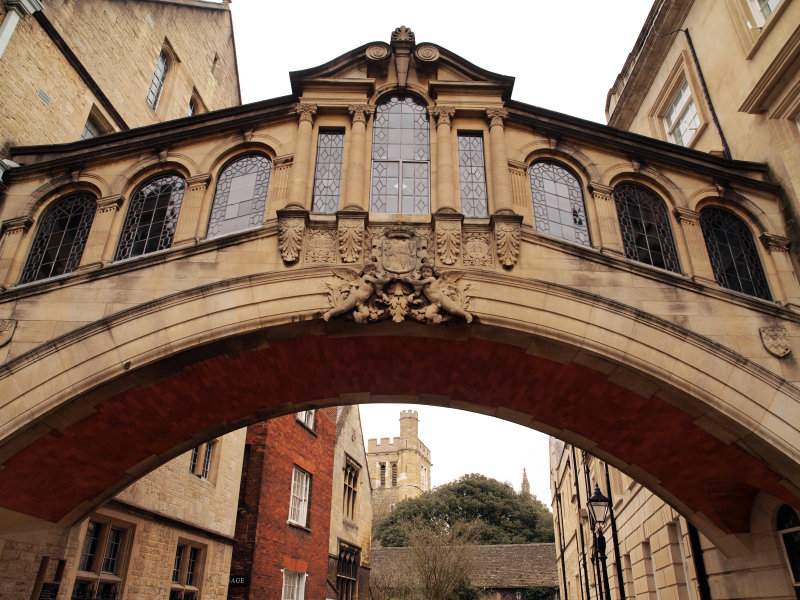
[{"x": 440, "y": 558}]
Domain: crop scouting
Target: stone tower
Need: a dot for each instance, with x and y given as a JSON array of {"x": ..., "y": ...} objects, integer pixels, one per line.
[
  {"x": 399, "y": 468},
  {"x": 526, "y": 486}
]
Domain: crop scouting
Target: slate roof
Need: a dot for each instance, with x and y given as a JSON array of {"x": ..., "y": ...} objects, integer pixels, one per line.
[{"x": 514, "y": 566}]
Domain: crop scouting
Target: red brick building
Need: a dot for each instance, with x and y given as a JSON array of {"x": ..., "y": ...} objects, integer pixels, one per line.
[{"x": 284, "y": 518}]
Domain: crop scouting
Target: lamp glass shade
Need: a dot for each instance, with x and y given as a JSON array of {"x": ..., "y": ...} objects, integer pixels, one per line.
[{"x": 598, "y": 505}]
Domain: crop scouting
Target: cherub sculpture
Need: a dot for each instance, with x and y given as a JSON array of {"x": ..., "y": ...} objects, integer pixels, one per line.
[
  {"x": 431, "y": 288},
  {"x": 361, "y": 289}
]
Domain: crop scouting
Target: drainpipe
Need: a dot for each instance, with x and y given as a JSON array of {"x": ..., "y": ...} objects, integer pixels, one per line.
[
  {"x": 580, "y": 527},
  {"x": 614, "y": 536},
  {"x": 16, "y": 10},
  {"x": 699, "y": 563},
  {"x": 561, "y": 542}
]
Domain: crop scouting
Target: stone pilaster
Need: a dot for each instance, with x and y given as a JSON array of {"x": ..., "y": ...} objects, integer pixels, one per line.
[
  {"x": 301, "y": 165},
  {"x": 445, "y": 199},
  {"x": 12, "y": 231},
  {"x": 356, "y": 196},
  {"x": 502, "y": 197},
  {"x": 186, "y": 228},
  {"x": 607, "y": 219},
  {"x": 699, "y": 264},
  {"x": 787, "y": 289},
  {"x": 97, "y": 241}
]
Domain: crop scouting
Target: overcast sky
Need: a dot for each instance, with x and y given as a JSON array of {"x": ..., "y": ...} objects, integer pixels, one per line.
[{"x": 565, "y": 56}]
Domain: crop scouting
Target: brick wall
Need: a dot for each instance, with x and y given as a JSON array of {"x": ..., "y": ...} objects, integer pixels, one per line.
[{"x": 266, "y": 543}]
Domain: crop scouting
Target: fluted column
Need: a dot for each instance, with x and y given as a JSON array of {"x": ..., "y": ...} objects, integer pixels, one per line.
[
  {"x": 700, "y": 264},
  {"x": 788, "y": 290},
  {"x": 607, "y": 219},
  {"x": 186, "y": 227},
  {"x": 501, "y": 198},
  {"x": 356, "y": 196},
  {"x": 12, "y": 232},
  {"x": 298, "y": 182},
  {"x": 445, "y": 199},
  {"x": 95, "y": 252}
]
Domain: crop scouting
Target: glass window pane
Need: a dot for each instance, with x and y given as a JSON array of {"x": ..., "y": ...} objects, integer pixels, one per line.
[
  {"x": 472, "y": 175},
  {"x": 328, "y": 175},
  {"x": 558, "y": 206},
  {"x": 241, "y": 195}
]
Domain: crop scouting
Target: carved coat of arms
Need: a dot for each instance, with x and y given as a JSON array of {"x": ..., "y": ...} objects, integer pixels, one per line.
[
  {"x": 776, "y": 341},
  {"x": 397, "y": 282},
  {"x": 7, "y": 327}
]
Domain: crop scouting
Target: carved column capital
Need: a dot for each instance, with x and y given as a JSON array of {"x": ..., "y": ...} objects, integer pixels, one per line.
[
  {"x": 306, "y": 111},
  {"x": 598, "y": 189},
  {"x": 496, "y": 116},
  {"x": 775, "y": 242},
  {"x": 360, "y": 112},
  {"x": 109, "y": 203},
  {"x": 198, "y": 182},
  {"x": 16, "y": 225},
  {"x": 443, "y": 114},
  {"x": 685, "y": 215}
]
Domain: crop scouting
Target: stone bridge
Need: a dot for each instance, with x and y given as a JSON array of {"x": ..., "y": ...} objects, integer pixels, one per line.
[{"x": 359, "y": 242}]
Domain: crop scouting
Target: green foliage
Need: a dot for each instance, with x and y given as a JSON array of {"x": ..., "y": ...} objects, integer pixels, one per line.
[
  {"x": 466, "y": 591},
  {"x": 499, "y": 514},
  {"x": 537, "y": 593}
]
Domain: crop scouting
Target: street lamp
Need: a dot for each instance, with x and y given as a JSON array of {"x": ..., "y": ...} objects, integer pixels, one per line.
[{"x": 598, "y": 507}]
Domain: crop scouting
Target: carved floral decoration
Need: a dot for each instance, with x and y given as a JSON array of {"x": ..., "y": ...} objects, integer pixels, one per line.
[
  {"x": 507, "y": 236},
  {"x": 398, "y": 282},
  {"x": 290, "y": 237},
  {"x": 351, "y": 234},
  {"x": 448, "y": 242}
]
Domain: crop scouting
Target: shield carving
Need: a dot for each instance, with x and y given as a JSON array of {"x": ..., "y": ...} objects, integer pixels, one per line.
[
  {"x": 7, "y": 327},
  {"x": 776, "y": 341},
  {"x": 399, "y": 254}
]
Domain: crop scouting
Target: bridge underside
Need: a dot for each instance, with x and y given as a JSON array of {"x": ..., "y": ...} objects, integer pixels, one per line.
[{"x": 126, "y": 427}]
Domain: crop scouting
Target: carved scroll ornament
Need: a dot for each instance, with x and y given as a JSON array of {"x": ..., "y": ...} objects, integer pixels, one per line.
[{"x": 398, "y": 283}]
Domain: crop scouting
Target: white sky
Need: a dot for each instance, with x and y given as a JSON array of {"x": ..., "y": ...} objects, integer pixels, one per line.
[{"x": 565, "y": 55}]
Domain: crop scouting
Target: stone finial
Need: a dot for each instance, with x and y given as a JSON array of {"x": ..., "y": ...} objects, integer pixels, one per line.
[{"x": 403, "y": 34}]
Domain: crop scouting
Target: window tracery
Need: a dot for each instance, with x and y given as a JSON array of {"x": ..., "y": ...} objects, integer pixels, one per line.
[
  {"x": 400, "y": 157},
  {"x": 644, "y": 224},
  {"x": 61, "y": 238},
  {"x": 241, "y": 195},
  {"x": 733, "y": 254},
  {"x": 558, "y": 205}
]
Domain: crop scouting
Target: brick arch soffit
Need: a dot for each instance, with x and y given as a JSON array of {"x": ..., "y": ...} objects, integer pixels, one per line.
[
  {"x": 61, "y": 187},
  {"x": 667, "y": 190},
  {"x": 741, "y": 206},
  {"x": 150, "y": 166},
  {"x": 763, "y": 517},
  {"x": 571, "y": 156},
  {"x": 411, "y": 89},
  {"x": 230, "y": 148}
]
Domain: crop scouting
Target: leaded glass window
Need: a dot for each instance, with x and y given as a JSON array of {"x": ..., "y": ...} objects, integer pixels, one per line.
[
  {"x": 152, "y": 217},
  {"x": 328, "y": 176},
  {"x": 241, "y": 195},
  {"x": 788, "y": 526},
  {"x": 472, "y": 175},
  {"x": 733, "y": 253},
  {"x": 157, "y": 82},
  {"x": 558, "y": 207},
  {"x": 61, "y": 238},
  {"x": 400, "y": 157},
  {"x": 644, "y": 224}
]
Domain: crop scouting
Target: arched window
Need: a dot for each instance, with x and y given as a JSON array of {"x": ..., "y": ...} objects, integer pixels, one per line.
[
  {"x": 558, "y": 207},
  {"x": 733, "y": 253},
  {"x": 644, "y": 224},
  {"x": 400, "y": 157},
  {"x": 383, "y": 474},
  {"x": 394, "y": 474},
  {"x": 152, "y": 217},
  {"x": 789, "y": 529},
  {"x": 61, "y": 238},
  {"x": 241, "y": 195}
]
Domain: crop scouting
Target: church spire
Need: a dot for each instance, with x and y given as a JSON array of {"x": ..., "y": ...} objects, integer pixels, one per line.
[{"x": 526, "y": 487}]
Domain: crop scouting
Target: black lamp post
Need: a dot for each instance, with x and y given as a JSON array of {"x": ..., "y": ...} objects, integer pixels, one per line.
[{"x": 598, "y": 508}]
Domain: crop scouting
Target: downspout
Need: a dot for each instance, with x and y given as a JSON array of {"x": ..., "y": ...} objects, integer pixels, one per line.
[
  {"x": 699, "y": 563},
  {"x": 598, "y": 575},
  {"x": 16, "y": 9},
  {"x": 580, "y": 527},
  {"x": 561, "y": 543},
  {"x": 726, "y": 150},
  {"x": 614, "y": 537}
]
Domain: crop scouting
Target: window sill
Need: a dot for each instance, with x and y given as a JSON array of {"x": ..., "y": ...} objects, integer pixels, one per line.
[{"x": 298, "y": 526}]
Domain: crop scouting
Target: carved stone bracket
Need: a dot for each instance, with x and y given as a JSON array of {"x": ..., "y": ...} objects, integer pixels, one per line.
[
  {"x": 292, "y": 224},
  {"x": 19, "y": 224},
  {"x": 109, "y": 203},
  {"x": 775, "y": 242},
  {"x": 198, "y": 182},
  {"x": 397, "y": 282},
  {"x": 506, "y": 228},
  {"x": 448, "y": 237},
  {"x": 351, "y": 226},
  {"x": 685, "y": 215}
]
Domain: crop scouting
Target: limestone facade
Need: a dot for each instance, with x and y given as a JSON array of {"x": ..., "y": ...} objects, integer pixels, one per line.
[
  {"x": 650, "y": 548},
  {"x": 69, "y": 62},
  {"x": 350, "y": 541},
  {"x": 400, "y": 467}
]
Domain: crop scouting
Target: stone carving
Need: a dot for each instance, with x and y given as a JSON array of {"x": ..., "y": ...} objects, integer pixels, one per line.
[
  {"x": 360, "y": 112},
  {"x": 351, "y": 236},
  {"x": 477, "y": 250},
  {"x": 496, "y": 116},
  {"x": 506, "y": 237},
  {"x": 398, "y": 282},
  {"x": 379, "y": 52},
  {"x": 290, "y": 237},
  {"x": 448, "y": 241},
  {"x": 321, "y": 246},
  {"x": 403, "y": 34},
  {"x": 7, "y": 327},
  {"x": 443, "y": 114},
  {"x": 776, "y": 341},
  {"x": 306, "y": 111},
  {"x": 426, "y": 53}
]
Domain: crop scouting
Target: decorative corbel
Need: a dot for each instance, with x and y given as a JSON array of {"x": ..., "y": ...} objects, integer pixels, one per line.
[
  {"x": 447, "y": 229},
  {"x": 350, "y": 234},
  {"x": 292, "y": 225},
  {"x": 507, "y": 226}
]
